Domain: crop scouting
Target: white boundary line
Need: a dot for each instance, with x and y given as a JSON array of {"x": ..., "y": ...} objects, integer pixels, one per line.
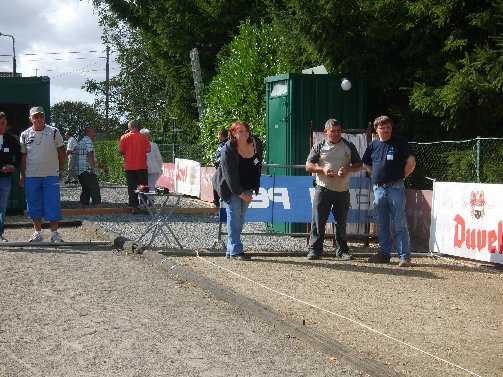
[{"x": 340, "y": 316}]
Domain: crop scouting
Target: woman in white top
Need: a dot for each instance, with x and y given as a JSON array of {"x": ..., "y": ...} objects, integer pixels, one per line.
[{"x": 154, "y": 161}]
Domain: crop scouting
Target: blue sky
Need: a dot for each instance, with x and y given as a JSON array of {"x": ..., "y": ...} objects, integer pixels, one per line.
[{"x": 55, "y": 38}]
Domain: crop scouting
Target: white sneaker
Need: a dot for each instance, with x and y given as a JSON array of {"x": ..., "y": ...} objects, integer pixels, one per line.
[
  {"x": 3, "y": 239},
  {"x": 56, "y": 237},
  {"x": 36, "y": 237}
]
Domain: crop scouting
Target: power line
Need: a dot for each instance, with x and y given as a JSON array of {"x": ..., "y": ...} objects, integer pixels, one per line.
[
  {"x": 63, "y": 59},
  {"x": 78, "y": 70},
  {"x": 60, "y": 53}
]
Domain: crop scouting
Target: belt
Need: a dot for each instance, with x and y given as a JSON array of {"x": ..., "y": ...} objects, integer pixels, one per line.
[{"x": 387, "y": 183}]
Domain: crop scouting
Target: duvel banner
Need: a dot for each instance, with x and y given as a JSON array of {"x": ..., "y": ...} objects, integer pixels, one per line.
[{"x": 467, "y": 221}]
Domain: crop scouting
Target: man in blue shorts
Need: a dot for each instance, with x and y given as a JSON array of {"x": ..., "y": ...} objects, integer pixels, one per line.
[{"x": 42, "y": 168}]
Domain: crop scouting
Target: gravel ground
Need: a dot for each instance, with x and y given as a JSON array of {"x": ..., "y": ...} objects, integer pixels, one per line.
[
  {"x": 438, "y": 318},
  {"x": 198, "y": 231},
  {"x": 86, "y": 311}
]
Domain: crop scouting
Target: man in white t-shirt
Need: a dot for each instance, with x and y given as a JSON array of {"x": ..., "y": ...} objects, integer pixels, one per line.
[
  {"x": 70, "y": 152},
  {"x": 42, "y": 164}
]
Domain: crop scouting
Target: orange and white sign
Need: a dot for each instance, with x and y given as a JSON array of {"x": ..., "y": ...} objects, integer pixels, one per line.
[{"x": 467, "y": 221}]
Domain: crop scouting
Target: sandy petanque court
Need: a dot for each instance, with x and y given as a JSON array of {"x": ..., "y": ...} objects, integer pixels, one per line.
[{"x": 94, "y": 311}]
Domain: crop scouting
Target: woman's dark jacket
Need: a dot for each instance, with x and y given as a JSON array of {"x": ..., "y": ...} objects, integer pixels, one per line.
[{"x": 226, "y": 179}]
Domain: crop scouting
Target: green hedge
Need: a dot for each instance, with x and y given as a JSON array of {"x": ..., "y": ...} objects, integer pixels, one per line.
[{"x": 108, "y": 153}]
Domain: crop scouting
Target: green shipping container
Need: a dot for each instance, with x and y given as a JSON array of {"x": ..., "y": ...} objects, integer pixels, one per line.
[
  {"x": 298, "y": 103},
  {"x": 17, "y": 96}
]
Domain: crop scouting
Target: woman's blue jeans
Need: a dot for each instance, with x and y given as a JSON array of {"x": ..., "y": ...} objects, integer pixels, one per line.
[
  {"x": 235, "y": 209},
  {"x": 389, "y": 205},
  {"x": 5, "y": 185}
]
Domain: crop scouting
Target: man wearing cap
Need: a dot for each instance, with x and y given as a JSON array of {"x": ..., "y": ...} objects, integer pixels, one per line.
[
  {"x": 42, "y": 168},
  {"x": 134, "y": 147},
  {"x": 10, "y": 156}
]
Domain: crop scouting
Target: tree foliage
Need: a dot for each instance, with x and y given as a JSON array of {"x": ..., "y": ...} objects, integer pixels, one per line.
[
  {"x": 137, "y": 92},
  {"x": 237, "y": 91},
  {"x": 75, "y": 117},
  {"x": 432, "y": 62},
  {"x": 166, "y": 31},
  {"x": 435, "y": 66}
]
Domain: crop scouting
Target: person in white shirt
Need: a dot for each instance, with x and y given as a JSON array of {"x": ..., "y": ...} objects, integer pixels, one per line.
[
  {"x": 42, "y": 164},
  {"x": 154, "y": 161},
  {"x": 70, "y": 152}
]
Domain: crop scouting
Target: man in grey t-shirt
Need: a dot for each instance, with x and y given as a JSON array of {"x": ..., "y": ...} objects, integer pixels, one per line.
[
  {"x": 42, "y": 164},
  {"x": 332, "y": 159}
]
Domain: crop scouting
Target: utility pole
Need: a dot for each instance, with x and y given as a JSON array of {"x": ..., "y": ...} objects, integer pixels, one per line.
[
  {"x": 107, "y": 89},
  {"x": 196, "y": 75}
]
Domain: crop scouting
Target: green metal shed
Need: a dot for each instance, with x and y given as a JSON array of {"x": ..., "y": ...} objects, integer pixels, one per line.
[{"x": 17, "y": 96}]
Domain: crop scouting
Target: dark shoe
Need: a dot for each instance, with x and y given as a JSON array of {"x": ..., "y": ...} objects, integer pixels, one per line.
[
  {"x": 379, "y": 258},
  {"x": 240, "y": 257},
  {"x": 67, "y": 182},
  {"x": 345, "y": 255},
  {"x": 404, "y": 263},
  {"x": 138, "y": 211},
  {"x": 313, "y": 256}
]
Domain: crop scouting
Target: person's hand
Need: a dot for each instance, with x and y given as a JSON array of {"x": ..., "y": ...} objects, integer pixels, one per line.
[
  {"x": 105, "y": 169},
  {"x": 329, "y": 172},
  {"x": 342, "y": 172},
  {"x": 8, "y": 168},
  {"x": 21, "y": 181},
  {"x": 61, "y": 175}
]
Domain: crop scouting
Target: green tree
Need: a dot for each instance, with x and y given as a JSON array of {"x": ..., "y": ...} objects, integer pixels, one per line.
[
  {"x": 136, "y": 91},
  {"x": 75, "y": 116},
  {"x": 169, "y": 29},
  {"x": 468, "y": 91},
  {"x": 237, "y": 91},
  {"x": 432, "y": 64}
]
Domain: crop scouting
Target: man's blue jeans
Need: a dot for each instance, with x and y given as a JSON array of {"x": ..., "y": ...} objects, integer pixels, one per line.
[
  {"x": 5, "y": 185},
  {"x": 389, "y": 205},
  {"x": 236, "y": 210}
]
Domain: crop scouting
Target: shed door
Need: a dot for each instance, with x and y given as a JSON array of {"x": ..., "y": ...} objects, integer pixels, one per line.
[{"x": 278, "y": 142}]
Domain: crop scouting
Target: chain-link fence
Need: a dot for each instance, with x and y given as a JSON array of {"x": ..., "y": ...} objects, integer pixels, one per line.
[
  {"x": 171, "y": 151},
  {"x": 476, "y": 160}
]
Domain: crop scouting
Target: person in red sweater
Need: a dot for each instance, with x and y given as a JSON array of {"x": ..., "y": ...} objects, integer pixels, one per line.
[{"x": 134, "y": 147}]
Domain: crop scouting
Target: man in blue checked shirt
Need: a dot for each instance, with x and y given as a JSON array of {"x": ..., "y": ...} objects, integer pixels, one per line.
[{"x": 86, "y": 168}]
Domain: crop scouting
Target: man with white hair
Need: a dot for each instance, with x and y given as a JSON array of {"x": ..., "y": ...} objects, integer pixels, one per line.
[
  {"x": 70, "y": 152},
  {"x": 154, "y": 160}
]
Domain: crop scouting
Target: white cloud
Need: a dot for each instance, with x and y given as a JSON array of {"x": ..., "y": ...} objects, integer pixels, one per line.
[{"x": 52, "y": 30}]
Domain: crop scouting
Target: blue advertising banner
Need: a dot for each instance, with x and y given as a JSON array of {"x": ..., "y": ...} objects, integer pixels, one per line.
[{"x": 289, "y": 199}]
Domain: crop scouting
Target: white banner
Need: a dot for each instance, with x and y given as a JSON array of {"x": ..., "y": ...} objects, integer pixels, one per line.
[
  {"x": 466, "y": 220},
  {"x": 188, "y": 177}
]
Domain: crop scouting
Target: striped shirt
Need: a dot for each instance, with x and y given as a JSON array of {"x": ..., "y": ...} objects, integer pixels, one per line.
[{"x": 82, "y": 162}]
